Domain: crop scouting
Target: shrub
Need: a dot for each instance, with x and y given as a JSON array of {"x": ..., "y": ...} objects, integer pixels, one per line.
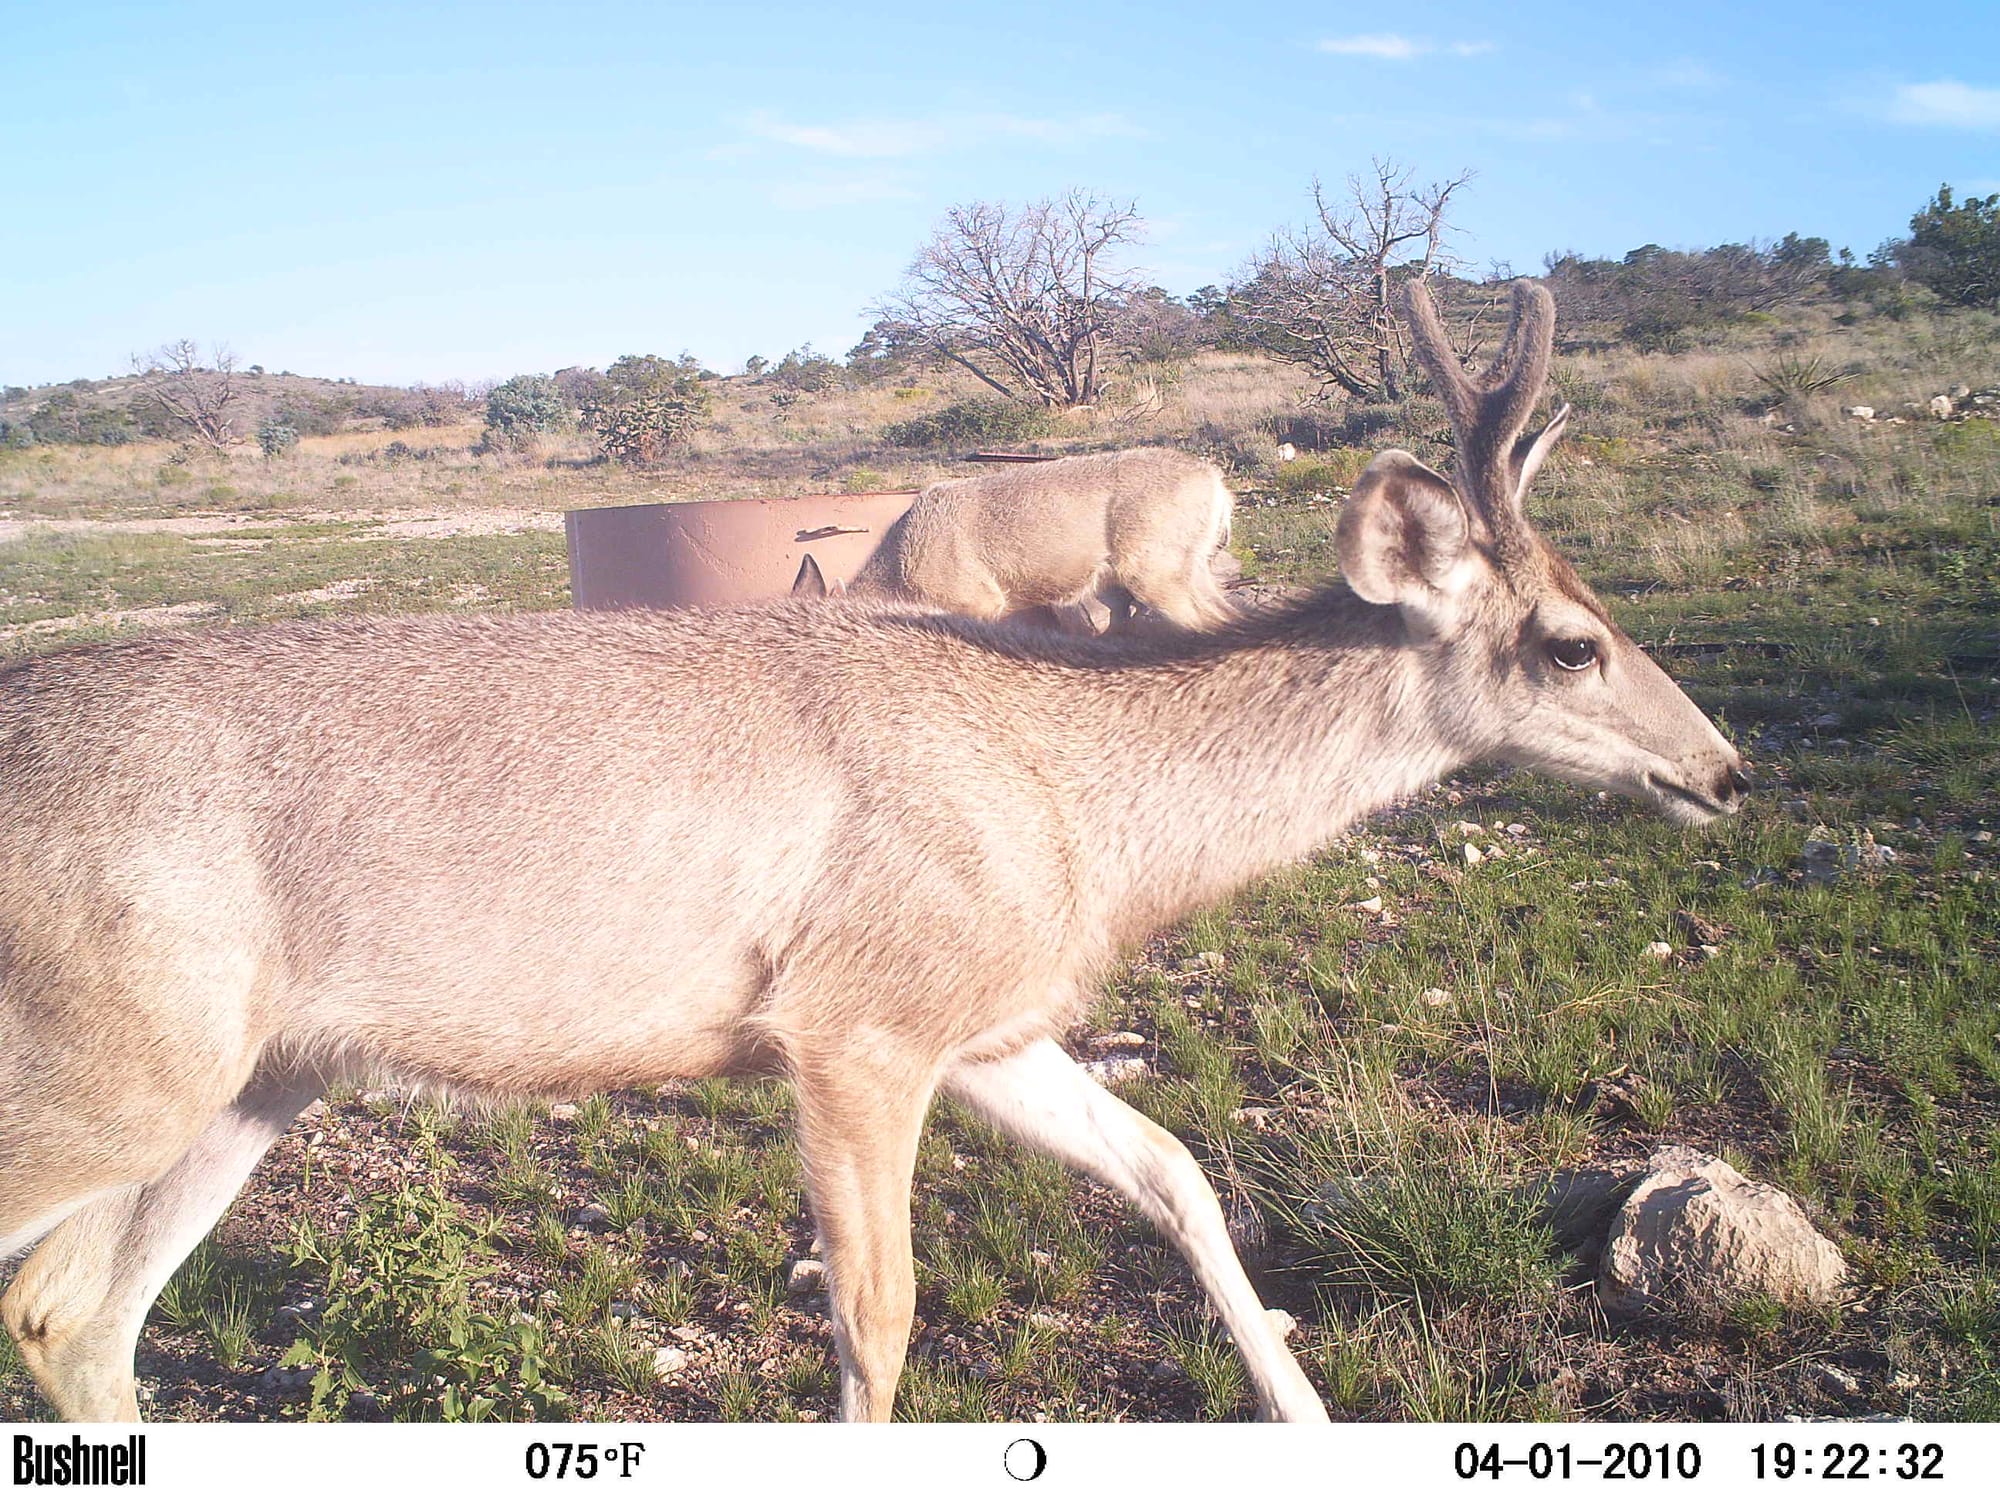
[
  {"x": 805, "y": 370},
  {"x": 276, "y": 439},
  {"x": 1954, "y": 249},
  {"x": 969, "y": 422},
  {"x": 645, "y": 405},
  {"x": 525, "y": 408}
]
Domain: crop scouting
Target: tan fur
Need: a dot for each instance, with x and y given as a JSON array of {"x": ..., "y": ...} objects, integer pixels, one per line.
[
  {"x": 1144, "y": 525},
  {"x": 884, "y": 852}
]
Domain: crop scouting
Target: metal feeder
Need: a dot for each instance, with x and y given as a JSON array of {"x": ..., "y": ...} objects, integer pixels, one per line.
[{"x": 713, "y": 552}]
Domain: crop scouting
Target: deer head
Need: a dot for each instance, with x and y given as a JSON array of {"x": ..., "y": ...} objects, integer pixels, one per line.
[{"x": 1528, "y": 662}]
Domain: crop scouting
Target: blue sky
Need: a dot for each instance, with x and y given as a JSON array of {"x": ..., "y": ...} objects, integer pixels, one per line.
[{"x": 423, "y": 191}]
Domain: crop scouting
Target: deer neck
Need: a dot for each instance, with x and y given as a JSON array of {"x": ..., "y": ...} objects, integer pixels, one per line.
[{"x": 1244, "y": 756}]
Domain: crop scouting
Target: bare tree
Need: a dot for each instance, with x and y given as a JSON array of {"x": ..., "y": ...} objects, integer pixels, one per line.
[
  {"x": 199, "y": 397},
  {"x": 1323, "y": 297},
  {"x": 1022, "y": 299}
]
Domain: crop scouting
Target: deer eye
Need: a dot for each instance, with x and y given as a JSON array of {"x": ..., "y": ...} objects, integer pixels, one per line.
[{"x": 1573, "y": 656}]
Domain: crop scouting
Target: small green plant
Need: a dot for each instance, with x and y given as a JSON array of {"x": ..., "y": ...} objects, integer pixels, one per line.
[
  {"x": 1801, "y": 375},
  {"x": 401, "y": 1323}
]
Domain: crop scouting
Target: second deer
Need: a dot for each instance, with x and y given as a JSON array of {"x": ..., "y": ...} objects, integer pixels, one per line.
[{"x": 1145, "y": 527}]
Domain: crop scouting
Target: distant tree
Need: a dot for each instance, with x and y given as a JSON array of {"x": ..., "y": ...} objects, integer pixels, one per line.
[
  {"x": 1154, "y": 326},
  {"x": 805, "y": 370},
  {"x": 1324, "y": 297},
  {"x": 580, "y": 385},
  {"x": 646, "y": 405},
  {"x": 1658, "y": 298},
  {"x": 1022, "y": 299},
  {"x": 755, "y": 365},
  {"x": 524, "y": 408},
  {"x": 1954, "y": 249},
  {"x": 200, "y": 400}
]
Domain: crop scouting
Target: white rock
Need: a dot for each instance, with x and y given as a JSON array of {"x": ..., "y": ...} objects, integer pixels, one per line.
[
  {"x": 1660, "y": 951},
  {"x": 1435, "y": 998},
  {"x": 1696, "y": 1230},
  {"x": 669, "y": 1361},
  {"x": 1472, "y": 854},
  {"x": 563, "y": 1112},
  {"x": 1941, "y": 408},
  {"x": 804, "y": 1277},
  {"x": 1372, "y": 905},
  {"x": 593, "y": 1215},
  {"x": 1211, "y": 961},
  {"x": 1865, "y": 413},
  {"x": 1112, "y": 1070},
  {"x": 1286, "y": 453},
  {"x": 1283, "y": 1324}
]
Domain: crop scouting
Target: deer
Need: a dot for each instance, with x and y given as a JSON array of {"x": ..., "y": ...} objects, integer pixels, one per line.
[
  {"x": 885, "y": 853},
  {"x": 1145, "y": 526}
]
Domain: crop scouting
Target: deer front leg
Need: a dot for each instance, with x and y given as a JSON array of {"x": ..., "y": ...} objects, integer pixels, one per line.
[
  {"x": 1042, "y": 1098},
  {"x": 76, "y": 1307},
  {"x": 858, "y": 1130}
]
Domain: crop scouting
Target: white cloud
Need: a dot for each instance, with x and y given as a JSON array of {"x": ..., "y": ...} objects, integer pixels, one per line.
[
  {"x": 1947, "y": 102},
  {"x": 930, "y": 136},
  {"x": 1394, "y": 48}
]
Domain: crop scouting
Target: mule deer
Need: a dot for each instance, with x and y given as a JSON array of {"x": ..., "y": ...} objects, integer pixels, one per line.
[
  {"x": 1144, "y": 525},
  {"x": 883, "y": 852}
]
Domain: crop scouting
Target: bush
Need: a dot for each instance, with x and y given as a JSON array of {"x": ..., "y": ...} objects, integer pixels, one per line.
[
  {"x": 645, "y": 405},
  {"x": 525, "y": 408},
  {"x": 805, "y": 370},
  {"x": 276, "y": 439},
  {"x": 968, "y": 423},
  {"x": 1954, "y": 249}
]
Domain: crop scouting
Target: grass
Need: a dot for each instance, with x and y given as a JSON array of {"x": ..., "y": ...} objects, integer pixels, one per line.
[{"x": 1381, "y": 1088}]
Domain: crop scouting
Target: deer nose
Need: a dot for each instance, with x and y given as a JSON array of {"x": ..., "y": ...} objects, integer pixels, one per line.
[{"x": 1736, "y": 782}]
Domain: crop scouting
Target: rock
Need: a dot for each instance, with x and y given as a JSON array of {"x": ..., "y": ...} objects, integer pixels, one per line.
[
  {"x": 1472, "y": 854},
  {"x": 669, "y": 1361},
  {"x": 1209, "y": 961},
  {"x": 562, "y": 1112},
  {"x": 1697, "y": 1231},
  {"x": 1699, "y": 930},
  {"x": 1864, "y": 413},
  {"x": 1287, "y": 452},
  {"x": 1984, "y": 836},
  {"x": 1614, "y": 1095},
  {"x": 1469, "y": 830},
  {"x": 1283, "y": 1324},
  {"x": 1835, "y": 1381},
  {"x": 1372, "y": 905},
  {"x": 1659, "y": 952},
  {"x": 1113, "y": 1070},
  {"x": 1435, "y": 998},
  {"x": 1796, "y": 806},
  {"x": 1827, "y": 721},
  {"x": 1941, "y": 408},
  {"x": 1111, "y": 1039},
  {"x": 594, "y": 1216},
  {"x": 1959, "y": 391},
  {"x": 1517, "y": 829},
  {"x": 1256, "y": 1116},
  {"x": 805, "y": 1277}
]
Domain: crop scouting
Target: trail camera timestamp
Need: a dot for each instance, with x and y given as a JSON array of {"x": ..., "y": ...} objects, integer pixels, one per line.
[{"x": 1849, "y": 1460}]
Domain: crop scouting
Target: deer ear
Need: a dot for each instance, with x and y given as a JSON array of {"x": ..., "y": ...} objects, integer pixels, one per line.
[
  {"x": 1402, "y": 533},
  {"x": 811, "y": 583}
]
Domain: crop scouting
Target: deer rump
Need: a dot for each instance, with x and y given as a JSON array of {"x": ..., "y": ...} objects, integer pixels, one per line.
[{"x": 1141, "y": 527}]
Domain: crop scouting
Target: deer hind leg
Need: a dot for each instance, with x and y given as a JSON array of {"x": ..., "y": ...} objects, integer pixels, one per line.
[
  {"x": 1042, "y": 1098},
  {"x": 76, "y": 1307},
  {"x": 858, "y": 1129}
]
